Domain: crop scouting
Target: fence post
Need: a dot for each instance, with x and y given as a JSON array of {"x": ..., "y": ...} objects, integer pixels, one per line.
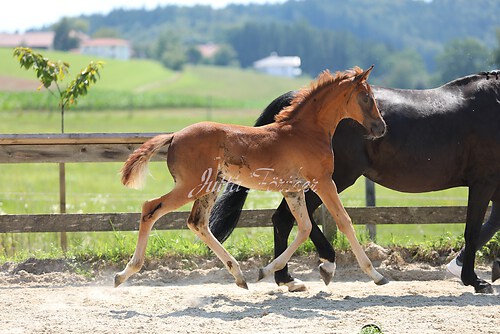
[
  {"x": 327, "y": 222},
  {"x": 370, "y": 201},
  {"x": 62, "y": 203}
]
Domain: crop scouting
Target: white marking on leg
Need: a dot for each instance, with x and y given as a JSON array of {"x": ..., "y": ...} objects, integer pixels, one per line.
[
  {"x": 297, "y": 204},
  {"x": 198, "y": 223}
]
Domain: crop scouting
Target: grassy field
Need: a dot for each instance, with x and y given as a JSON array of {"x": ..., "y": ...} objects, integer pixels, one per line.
[
  {"x": 95, "y": 187},
  {"x": 147, "y": 84},
  {"x": 32, "y": 188}
]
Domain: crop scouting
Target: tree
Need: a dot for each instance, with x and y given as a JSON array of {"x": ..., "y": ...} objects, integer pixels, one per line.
[
  {"x": 405, "y": 69},
  {"x": 193, "y": 55},
  {"x": 173, "y": 59},
  {"x": 496, "y": 51},
  {"x": 53, "y": 73},
  {"x": 225, "y": 56},
  {"x": 169, "y": 50},
  {"x": 63, "y": 39},
  {"x": 462, "y": 57},
  {"x": 105, "y": 32}
]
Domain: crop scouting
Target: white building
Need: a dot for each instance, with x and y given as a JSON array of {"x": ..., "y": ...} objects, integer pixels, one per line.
[
  {"x": 107, "y": 47},
  {"x": 279, "y": 66}
]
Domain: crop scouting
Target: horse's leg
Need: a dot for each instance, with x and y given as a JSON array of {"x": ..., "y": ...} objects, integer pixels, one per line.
[
  {"x": 488, "y": 230},
  {"x": 152, "y": 210},
  {"x": 327, "y": 191},
  {"x": 479, "y": 198},
  {"x": 323, "y": 246},
  {"x": 198, "y": 223},
  {"x": 297, "y": 205},
  {"x": 282, "y": 224}
]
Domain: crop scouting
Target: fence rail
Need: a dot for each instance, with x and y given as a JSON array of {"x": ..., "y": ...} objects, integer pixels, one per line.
[
  {"x": 72, "y": 147},
  {"x": 95, "y": 222},
  {"x": 113, "y": 147}
]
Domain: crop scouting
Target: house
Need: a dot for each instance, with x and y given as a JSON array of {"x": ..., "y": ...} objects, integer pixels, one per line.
[
  {"x": 107, "y": 47},
  {"x": 279, "y": 66},
  {"x": 208, "y": 50},
  {"x": 33, "y": 40}
]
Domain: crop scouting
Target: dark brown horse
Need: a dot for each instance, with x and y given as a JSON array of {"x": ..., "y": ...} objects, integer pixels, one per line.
[
  {"x": 436, "y": 139},
  {"x": 292, "y": 155}
]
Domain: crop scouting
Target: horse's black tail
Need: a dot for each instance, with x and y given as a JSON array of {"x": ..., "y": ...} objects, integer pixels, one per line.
[{"x": 227, "y": 209}]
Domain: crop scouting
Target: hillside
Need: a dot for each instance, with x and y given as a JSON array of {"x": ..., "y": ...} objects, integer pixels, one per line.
[
  {"x": 392, "y": 24},
  {"x": 142, "y": 78}
]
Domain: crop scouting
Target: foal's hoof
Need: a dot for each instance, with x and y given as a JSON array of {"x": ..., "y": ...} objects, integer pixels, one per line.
[
  {"x": 383, "y": 281},
  {"x": 242, "y": 284},
  {"x": 483, "y": 287},
  {"x": 327, "y": 271},
  {"x": 495, "y": 270},
  {"x": 118, "y": 280},
  {"x": 295, "y": 285}
]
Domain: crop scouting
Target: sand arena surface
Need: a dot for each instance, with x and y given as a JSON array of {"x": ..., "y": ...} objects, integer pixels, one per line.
[{"x": 419, "y": 299}]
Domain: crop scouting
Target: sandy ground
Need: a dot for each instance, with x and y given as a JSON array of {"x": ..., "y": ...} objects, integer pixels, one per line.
[{"x": 419, "y": 299}]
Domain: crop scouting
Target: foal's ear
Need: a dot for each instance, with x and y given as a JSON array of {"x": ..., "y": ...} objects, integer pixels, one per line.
[{"x": 364, "y": 76}]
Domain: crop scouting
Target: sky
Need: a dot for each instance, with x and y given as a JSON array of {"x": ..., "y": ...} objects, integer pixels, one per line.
[{"x": 19, "y": 16}]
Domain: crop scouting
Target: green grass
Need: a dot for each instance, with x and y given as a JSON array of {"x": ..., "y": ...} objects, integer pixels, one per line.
[{"x": 144, "y": 84}]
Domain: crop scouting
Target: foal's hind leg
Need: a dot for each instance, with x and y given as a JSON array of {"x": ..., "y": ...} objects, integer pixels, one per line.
[
  {"x": 198, "y": 223},
  {"x": 297, "y": 205},
  {"x": 328, "y": 193},
  {"x": 152, "y": 210}
]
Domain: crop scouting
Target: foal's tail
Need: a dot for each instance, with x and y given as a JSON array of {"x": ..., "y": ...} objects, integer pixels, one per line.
[{"x": 135, "y": 168}]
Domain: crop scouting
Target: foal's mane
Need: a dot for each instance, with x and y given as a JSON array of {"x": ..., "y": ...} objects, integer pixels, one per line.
[{"x": 306, "y": 93}]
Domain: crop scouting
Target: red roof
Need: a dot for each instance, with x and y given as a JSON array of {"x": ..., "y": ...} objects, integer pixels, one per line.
[{"x": 29, "y": 39}]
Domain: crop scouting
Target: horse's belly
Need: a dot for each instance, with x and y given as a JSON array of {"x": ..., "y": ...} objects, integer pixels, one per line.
[{"x": 416, "y": 179}]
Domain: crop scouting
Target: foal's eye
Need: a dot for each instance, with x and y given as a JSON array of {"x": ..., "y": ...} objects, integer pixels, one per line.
[{"x": 366, "y": 98}]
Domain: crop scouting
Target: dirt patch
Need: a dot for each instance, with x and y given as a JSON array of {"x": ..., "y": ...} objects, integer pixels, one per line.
[
  {"x": 9, "y": 84},
  {"x": 49, "y": 297}
]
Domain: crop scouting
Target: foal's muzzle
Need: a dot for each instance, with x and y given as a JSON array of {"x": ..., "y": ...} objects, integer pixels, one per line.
[{"x": 377, "y": 129}]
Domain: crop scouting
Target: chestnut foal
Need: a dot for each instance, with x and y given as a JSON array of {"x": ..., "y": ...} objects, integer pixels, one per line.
[{"x": 292, "y": 155}]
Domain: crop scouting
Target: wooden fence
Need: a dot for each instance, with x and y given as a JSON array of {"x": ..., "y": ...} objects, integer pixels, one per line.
[{"x": 112, "y": 147}]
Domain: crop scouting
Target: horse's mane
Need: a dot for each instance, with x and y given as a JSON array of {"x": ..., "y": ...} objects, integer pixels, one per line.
[
  {"x": 463, "y": 81},
  {"x": 306, "y": 93}
]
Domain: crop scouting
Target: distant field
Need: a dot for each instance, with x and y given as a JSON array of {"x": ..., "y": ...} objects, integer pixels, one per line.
[{"x": 147, "y": 84}]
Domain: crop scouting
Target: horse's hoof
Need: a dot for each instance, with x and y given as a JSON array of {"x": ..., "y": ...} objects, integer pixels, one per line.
[
  {"x": 383, "y": 281},
  {"x": 242, "y": 284},
  {"x": 495, "y": 270},
  {"x": 483, "y": 287},
  {"x": 327, "y": 271},
  {"x": 295, "y": 285},
  {"x": 118, "y": 280}
]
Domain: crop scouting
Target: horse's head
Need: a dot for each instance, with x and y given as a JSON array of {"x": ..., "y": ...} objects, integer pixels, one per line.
[{"x": 361, "y": 105}]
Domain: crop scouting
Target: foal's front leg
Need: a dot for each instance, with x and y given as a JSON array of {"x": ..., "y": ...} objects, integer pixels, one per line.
[
  {"x": 327, "y": 191},
  {"x": 297, "y": 204},
  {"x": 198, "y": 223}
]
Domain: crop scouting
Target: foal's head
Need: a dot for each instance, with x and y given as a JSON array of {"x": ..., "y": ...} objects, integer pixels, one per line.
[
  {"x": 346, "y": 92},
  {"x": 361, "y": 104}
]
